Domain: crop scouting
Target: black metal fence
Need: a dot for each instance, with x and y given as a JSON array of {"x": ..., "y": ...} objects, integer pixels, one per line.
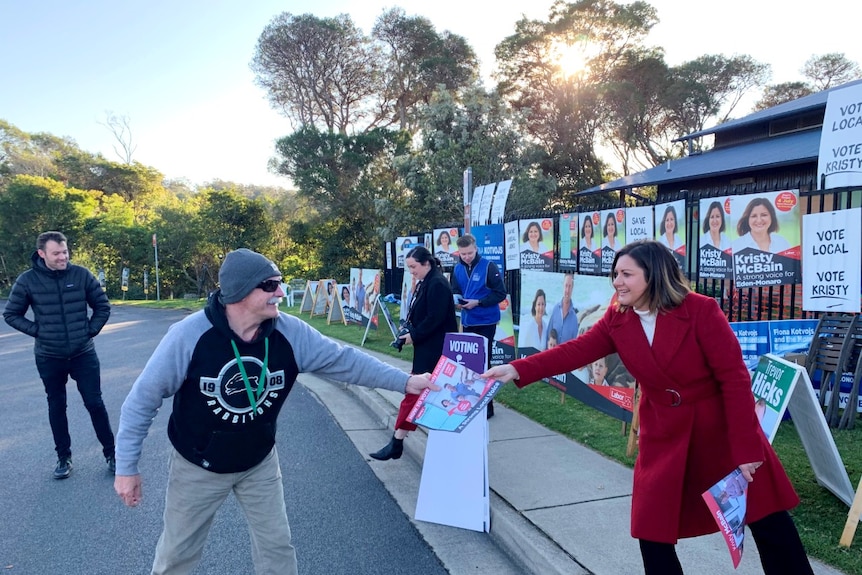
[{"x": 739, "y": 304}]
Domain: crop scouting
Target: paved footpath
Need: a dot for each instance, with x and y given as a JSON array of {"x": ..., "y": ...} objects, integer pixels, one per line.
[{"x": 557, "y": 507}]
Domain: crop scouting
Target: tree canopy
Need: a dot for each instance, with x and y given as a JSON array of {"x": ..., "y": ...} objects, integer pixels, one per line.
[{"x": 384, "y": 125}]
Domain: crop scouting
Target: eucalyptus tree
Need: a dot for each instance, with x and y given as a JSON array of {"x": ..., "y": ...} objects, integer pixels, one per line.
[
  {"x": 830, "y": 70},
  {"x": 30, "y": 205},
  {"x": 353, "y": 102},
  {"x": 638, "y": 126},
  {"x": 563, "y": 106},
  {"x": 622, "y": 96},
  {"x": 121, "y": 129},
  {"x": 709, "y": 88},
  {"x": 477, "y": 130},
  {"x": 321, "y": 72},
  {"x": 233, "y": 221},
  {"x": 343, "y": 177},
  {"x": 822, "y": 72},
  {"x": 780, "y": 93},
  {"x": 418, "y": 60},
  {"x": 22, "y": 153}
]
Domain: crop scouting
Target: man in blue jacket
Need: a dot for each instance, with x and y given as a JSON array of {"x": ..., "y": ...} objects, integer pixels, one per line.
[
  {"x": 61, "y": 295},
  {"x": 479, "y": 285}
]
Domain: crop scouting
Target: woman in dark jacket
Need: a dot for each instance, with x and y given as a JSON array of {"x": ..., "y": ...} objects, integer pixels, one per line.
[{"x": 431, "y": 316}]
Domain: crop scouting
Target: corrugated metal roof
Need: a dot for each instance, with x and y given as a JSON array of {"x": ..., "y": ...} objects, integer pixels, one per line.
[
  {"x": 792, "y": 108},
  {"x": 773, "y": 152}
]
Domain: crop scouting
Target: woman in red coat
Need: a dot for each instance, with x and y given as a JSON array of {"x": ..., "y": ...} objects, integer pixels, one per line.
[{"x": 697, "y": 419}]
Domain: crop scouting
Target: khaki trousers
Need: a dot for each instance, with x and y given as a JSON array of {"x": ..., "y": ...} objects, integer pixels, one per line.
[{"x": 194, "y": 495}]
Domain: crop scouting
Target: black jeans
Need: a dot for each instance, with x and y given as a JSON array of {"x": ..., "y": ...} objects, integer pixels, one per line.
[
  {"x": 781, "y": 551},
  {"x": 488, "y": 332},
  {"x": 84, "y": 369}
]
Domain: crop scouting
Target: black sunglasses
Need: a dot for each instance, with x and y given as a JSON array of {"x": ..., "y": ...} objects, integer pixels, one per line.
[{"x": 269, "y": 286}]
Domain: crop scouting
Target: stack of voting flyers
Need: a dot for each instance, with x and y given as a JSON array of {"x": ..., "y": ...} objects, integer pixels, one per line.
[{"x": 463, "y": 395}]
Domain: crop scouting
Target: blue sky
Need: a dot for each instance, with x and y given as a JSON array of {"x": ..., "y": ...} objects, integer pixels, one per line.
[{"x": 179, "y": 69}]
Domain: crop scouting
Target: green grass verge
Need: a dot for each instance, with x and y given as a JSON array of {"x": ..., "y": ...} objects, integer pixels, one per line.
[
  {"x": 820, "y": 517},
  {"x": 188, "y": 304}
]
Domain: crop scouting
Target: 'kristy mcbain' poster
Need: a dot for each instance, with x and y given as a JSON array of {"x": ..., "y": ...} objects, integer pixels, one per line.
[{"x": 766, "y": 250}]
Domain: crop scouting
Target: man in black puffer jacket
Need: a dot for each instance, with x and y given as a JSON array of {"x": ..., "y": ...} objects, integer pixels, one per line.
[{"x": 60, "y": 294}]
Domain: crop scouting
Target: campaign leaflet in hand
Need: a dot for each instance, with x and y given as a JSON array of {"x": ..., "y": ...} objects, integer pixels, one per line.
[
  {"x": 463, "y": 395},
  {"x": 727, "y": 502}
]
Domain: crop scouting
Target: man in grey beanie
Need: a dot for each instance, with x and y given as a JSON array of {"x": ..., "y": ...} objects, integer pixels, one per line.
[
  {"x": 229, "y": 369},
  {"x": 240, "y": 273}
]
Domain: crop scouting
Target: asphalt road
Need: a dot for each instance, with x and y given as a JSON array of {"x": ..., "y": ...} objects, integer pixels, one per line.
[{"x": 343, "y": 519}]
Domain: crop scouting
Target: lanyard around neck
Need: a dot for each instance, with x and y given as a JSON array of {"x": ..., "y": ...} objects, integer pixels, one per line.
[{"x": 252, "y": 396}]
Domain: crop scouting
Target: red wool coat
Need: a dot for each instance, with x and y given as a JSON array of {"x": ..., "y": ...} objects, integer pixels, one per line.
[{"x": 697, "y": 420}]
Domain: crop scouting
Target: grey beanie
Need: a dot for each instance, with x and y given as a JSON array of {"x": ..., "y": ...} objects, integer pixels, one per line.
[{"x": 241, "y": 272}]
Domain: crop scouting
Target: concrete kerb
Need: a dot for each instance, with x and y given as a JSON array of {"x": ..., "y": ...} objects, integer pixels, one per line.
[{"x": 528, "y": 545}]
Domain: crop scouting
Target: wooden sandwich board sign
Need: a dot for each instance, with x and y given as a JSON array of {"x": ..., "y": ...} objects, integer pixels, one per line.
[
  {"x": 323, "y": 297},
  {"x": 308, "y": 297},
  {"x": 336, "y": 310}
]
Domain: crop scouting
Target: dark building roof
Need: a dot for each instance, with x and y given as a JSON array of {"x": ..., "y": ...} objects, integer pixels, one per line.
[
  {"x": 754, "y": 154},
  {"x": 775, "y": 152},
  {"x": 816, "y": 101}
]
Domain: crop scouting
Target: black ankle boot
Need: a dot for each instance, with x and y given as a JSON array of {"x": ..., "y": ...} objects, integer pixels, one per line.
[{"x": 391, "y": 450}]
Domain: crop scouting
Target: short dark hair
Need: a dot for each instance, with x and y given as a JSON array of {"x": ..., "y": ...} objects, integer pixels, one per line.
[
  {"x": 466, "y": 241},
  {"x": 46, "y": 237}
]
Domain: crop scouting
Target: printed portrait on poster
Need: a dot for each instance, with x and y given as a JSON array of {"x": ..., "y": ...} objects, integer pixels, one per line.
[
  {"x": 444, "y": 247},
  {"x": 766, "y": 250},
  {"x": 364, "y": 291},
  {"x": 670, "y": 228},
  {"x": 613, "y": 236},
  {"x": 590, "y": 243},
  {"x": 558, "y": 307},
  {"x": 537, "y": 244},
  {"x": 715, "y": 258},
  {"x": 403, "y": 245}
]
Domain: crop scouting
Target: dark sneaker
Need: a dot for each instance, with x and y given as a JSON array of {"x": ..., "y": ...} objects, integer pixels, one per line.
[
  {"x": 64, "y": 468},
  {"x": 112, "y": 463}
]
